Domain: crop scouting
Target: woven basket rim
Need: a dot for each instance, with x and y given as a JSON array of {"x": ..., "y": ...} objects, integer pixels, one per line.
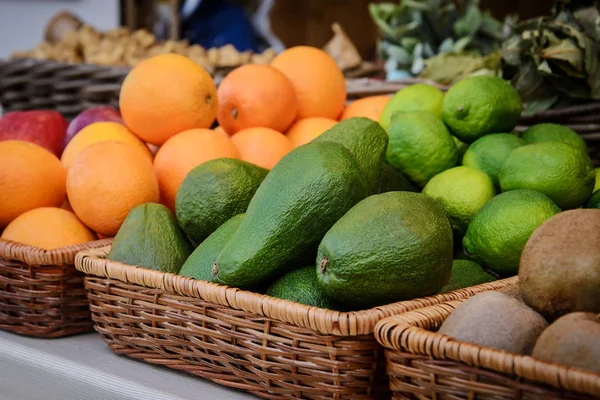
[
  {"x": 32, "y": 255},
  {"x": 410, "y": 333},
  {"x": 328, "y": 322}
]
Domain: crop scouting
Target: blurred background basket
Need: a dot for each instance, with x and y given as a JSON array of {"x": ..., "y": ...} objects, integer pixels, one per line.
[
  {"x": 273, "y": 348},
  {"x": 41, "y": 292},
  {"x": 426, "y": 365}
]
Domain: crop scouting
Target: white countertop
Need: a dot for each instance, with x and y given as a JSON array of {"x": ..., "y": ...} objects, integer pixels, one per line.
[{"x": 83, "y": 368}]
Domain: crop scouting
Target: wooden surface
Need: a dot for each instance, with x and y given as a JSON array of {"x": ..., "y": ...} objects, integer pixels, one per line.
[{"x": 82, "y": 367}]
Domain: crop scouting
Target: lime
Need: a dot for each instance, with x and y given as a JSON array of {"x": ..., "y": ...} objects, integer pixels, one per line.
[
  {"x": 480, "y": 105},
  {"x": 488, "y": 153},
  {"x": 417, "y": 97},
  {"x": 464, "y": 274},
  {"x": 555, "y": 169},
  {"x": 594, "y": 201},
  {"x": 461, "y": 147},
  {"x": 498, "y": 233},
  {"x": 462, "y": 191},
  {"x": 547, "y": 132},
  {"x": 420, "y": 146},
  {"x": 597, "y": 187}
]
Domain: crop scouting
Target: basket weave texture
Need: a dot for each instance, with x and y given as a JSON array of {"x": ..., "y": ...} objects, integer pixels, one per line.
[
  {"x": 41, "y": 293},
  {"x": 424, "y": 364},
  {"x": 270, "y": 347}
]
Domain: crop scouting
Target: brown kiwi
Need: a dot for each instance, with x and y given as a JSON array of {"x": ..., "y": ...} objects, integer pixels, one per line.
[
  {"x": 572, "y": 340},
  {"x": 497, "y": 320},
  {"x": 560, "y": 265}
]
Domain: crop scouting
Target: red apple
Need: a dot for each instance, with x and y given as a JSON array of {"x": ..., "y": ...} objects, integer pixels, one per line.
[
  {"x": 91, "y": 115},
  {"x": 45, "y": 128}
]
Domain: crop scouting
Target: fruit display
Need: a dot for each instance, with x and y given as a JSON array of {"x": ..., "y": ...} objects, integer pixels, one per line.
[{"x": 248, "y": 185}]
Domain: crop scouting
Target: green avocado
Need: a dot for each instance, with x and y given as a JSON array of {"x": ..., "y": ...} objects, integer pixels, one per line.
[
  {"x": 305, "y": 193},
  {"x": 151, "y": 238},
  {"x": 464, "y": 274},
  {"x": 200, "y": 264},
  {"x": 390, "y": 247},
  {"x": 301, "y": 286},
  {"x": 366, "y": 139},
  {"x": 213, "y": 192}
]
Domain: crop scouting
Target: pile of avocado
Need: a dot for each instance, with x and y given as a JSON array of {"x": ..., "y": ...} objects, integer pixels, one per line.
[{"x": 331, "y": 225}]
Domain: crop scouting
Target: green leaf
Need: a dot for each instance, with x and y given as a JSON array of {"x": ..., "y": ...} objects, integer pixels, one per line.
[
  {"x": 568, "y": 52},
  {"x": 469, "y": 23},
  {"x": 399, "y": 54},
  {"x": 462, "y": 44}
]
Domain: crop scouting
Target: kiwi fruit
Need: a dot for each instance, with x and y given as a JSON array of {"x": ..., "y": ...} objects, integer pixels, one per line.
[
  {"x": 571, "y": 340},
  {"x": 560, "y": 265},
  {"x": 496, "y": 320}
]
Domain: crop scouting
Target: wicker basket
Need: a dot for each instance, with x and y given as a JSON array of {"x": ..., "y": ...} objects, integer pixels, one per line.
[
  {"x": 272, "y": 348},
  {"x": 41, "y": 293},
  {"x": 427, "y": 365}
]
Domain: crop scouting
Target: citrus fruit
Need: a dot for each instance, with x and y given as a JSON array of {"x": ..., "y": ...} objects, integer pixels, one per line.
[
  {"x": 420, "y": 146},
  {"x": 554, "y": 132},
  {"x": 465, "y": 274},
  {"x": 489, "y": 152},
  {"x": 318, "y": 81},
  {"x": 97, "y": 132},
  {"x": 461, "y": 147},
  {"x": 499, "y": 231},
  {"x": 417, "y": 97},
  {"x": 106, "y": 180},
  {"x": 480, "y": 105},
  {"x": 48, "y": 228},
  {"x": 256, "y": 95},
  {"x": 305, "y": 130},
  {"x": 555, "y": 169},
  {"x": 167, "y": 94},
  {"x": 597, "y": 186},
  {"x": 220, "y": 130},
  {"x": 184, "y": 151},
  {"x": 261, "y": 146},
  {"x": 368, "y": 107},
  {"x": 462, "y": 191},
  {"x": 594, "y": 201},
  {"x": 30, "y": 177}
]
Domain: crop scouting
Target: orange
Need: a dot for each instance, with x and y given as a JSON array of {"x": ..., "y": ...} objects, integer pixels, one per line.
[
  {"x": 256, "y": 95},
  {"x": 185, "y": 151},
  {"x": 167, "y": 94},
  {"x": 319, "y": 82},
  {"x": 219, "y": 129},
  {"x": 261, "y": 146},
  {"x": 106, "y": 180},
  {"x": 48, "y": 228},
  {"x": 305, "y": 130},
  {"x": 369, "y": 107},
  {"x": 30, "y": 177},
  {"x": 98, "y": 132}
]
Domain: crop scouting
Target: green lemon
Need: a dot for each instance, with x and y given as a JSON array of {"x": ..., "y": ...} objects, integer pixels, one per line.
[
  {"x": 555, "y": 169},
  {"x": 488, "y": 153},
  {"x": 594, "y": 201},
  {"x": 417, "y": 97},
  {"x": 480, "y": 105},
  {"x": 420, "y": 146},
  {"x": 498, "y": 233},
  {"x": 554, "y": 132},
  {"x": 462, "y": 191},
  {"x": 597, "y": 186}
]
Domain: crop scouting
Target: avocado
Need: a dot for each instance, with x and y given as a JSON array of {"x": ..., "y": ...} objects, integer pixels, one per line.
[
  {"x": 392, "y": 180},
  {"x": 301, "y": 286},
  {"x": 304, "y": 194},
  {"x": 464, "y": 274},
  {"x": 366, "y": 139},
  {"x": 389, "y": 247},
  {"x": 200, "y": 264},
  {"x": 496, "y": 320},
  {"x": 151, "y": 238},
  {"x": 213, "y": 192}
]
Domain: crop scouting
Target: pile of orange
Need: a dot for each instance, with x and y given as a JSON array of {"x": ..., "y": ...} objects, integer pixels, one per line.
[{"x": 169, "y": 104}]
